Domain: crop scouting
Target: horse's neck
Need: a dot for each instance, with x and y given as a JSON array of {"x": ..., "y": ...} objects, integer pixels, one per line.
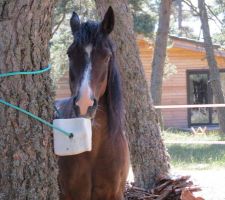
[
  {"x": 100, "y": 122},
  {"x": 99, "y": 128}
]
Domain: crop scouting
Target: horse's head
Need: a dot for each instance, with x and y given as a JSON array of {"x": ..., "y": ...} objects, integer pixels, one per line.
[{"x": 90, "y": 55}]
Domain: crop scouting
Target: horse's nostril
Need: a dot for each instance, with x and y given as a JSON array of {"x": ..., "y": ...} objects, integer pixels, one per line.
[
  {"x": 92, "y": 109},
  {"x": 75, "y": 106},
  {"x": 94, "y": 102},
  {"x": 75, "y": 98},
  {"x": 83, "y": 103}
]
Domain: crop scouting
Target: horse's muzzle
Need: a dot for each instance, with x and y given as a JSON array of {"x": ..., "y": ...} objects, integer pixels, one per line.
[{"x": 91, "y": 110}]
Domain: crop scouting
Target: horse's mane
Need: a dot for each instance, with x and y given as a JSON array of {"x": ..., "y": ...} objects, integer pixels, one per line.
[
  {"x": 90, "y": 33},
  {"x": 114, "y": 96}
]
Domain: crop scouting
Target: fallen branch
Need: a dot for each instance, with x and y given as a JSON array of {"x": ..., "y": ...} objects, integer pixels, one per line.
[{"x": 167, "y": 188}]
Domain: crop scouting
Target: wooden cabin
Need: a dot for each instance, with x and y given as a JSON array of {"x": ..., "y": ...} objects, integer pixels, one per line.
[{"x": 189, "y": 84}]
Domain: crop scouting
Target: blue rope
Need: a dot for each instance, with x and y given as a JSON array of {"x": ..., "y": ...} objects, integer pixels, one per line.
[
  {"x": 26, "y": 112},
  {"x": 26, "y": 73}
]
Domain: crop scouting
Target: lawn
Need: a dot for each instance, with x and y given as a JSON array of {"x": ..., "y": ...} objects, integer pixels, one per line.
[
  {"x": 205, "y": 163},
  {"x": 172, "y": 136},
  {"x": 195, "y": 156}
]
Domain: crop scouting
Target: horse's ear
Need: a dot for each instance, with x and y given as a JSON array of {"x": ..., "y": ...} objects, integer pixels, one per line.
[
  {"x": 74, "y": 23},
  {"x": 108, "y": 21}
]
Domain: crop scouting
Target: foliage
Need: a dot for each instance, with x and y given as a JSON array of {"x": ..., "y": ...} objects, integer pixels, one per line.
[
  {"x": 219, "y": 11},
  {"x": 190, "y": 15},
  {"x": 219, "y": 38},
  {"x": 144, "y": 23},
  {"x": 179, "y": 17},
  {"x": 59, "y": 44},
  {"x": 144, "y": 16},
  {"x": 169, "y": 69}
]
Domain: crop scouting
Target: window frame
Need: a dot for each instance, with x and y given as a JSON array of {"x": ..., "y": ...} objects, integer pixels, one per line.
[{"x": 209, "y": 96}]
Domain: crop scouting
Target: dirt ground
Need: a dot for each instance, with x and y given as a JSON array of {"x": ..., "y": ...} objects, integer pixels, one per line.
[{"x": 212, "y": 182}]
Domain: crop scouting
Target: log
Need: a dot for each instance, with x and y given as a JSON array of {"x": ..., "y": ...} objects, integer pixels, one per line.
[{"x": 167, "y": 188}]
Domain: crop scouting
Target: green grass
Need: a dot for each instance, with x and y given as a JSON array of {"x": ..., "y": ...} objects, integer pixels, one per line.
[
  {"x": 187, "y": 136},
  {"x": 196, "y": 156}
]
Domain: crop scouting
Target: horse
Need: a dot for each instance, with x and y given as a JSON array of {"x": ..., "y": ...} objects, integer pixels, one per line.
[{"x": 96, "y": 94}]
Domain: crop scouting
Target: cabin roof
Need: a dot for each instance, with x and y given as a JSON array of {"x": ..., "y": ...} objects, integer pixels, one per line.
[
  {"x": 194, "y": 45},
  {"x": 183, "y": 43},
  {"x": 191, "y": 41}
]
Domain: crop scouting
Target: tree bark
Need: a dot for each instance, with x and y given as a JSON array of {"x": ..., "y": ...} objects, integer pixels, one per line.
[
  {"x": 213, "y": 69},
  {"x": 160, "y": 54},
  {"x": 28, "y": 168},
  {"x": 148, "y": 153},
  {"x": 160, "y": 51},
  {"x": 180, "y": 16}
]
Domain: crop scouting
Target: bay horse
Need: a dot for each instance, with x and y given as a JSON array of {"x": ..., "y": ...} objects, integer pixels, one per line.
[{"x": 96, "y": 94}]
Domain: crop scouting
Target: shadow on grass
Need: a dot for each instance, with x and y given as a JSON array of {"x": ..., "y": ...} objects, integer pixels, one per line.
[{"x": 189, "y": 154}]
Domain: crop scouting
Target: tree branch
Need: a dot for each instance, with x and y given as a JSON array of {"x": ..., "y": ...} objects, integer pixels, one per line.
[
  {"x": 193, "y": 8},
  {"x": 59, "y": 23},
  {"x": 213, "y": 14},
  {"x": 63, "y": 5}
]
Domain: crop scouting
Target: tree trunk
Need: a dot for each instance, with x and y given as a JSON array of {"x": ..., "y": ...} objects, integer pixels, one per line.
[
  {"x": 160, "y": 53},
  {"x": 213, "y": 69},
  {"x": 180, "y": 16},
  {"x": 28, "y": 168},
  {"x": 148, "y": 154}
]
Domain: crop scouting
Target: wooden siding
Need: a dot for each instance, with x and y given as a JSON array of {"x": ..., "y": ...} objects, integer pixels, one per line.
[
  {"x": 62, "y": 87},
  {"x": 174, "y": 89}
]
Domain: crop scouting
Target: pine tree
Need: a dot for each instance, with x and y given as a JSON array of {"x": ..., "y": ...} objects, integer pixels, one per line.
[{"x": 28, "y": 168}]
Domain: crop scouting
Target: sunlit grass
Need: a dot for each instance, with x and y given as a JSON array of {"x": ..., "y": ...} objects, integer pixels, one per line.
[
  {"x": 204, "y": 162},
  {"x": 197, "y": 156},
  {"x": 169, "y": 136}
]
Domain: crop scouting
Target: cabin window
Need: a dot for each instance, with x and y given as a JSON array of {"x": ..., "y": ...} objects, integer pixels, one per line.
[{"x": 200, "y": 92}]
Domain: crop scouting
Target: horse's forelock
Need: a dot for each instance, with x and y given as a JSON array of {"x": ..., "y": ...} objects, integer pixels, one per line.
[{"x": 87, "y": 33}]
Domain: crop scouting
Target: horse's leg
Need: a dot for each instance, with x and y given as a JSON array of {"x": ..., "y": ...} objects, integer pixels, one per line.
[
  {"x": 77, "y": 189},
  {"x": 75, "y": 177},
  {"x": 109, "y": 187},
  {"x": 65, "y": 196},
  {"x": 102, "y": 195},
  {"x": 110, "y": 171}
]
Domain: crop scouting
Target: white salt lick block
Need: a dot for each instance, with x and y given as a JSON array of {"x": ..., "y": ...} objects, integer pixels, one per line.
[{"x": 81, "y": 140}]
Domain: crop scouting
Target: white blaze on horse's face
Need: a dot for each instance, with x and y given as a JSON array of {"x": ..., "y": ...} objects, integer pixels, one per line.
[
  {"x": 85, "y": 99},
  {"x": 88, "y": 50}
]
